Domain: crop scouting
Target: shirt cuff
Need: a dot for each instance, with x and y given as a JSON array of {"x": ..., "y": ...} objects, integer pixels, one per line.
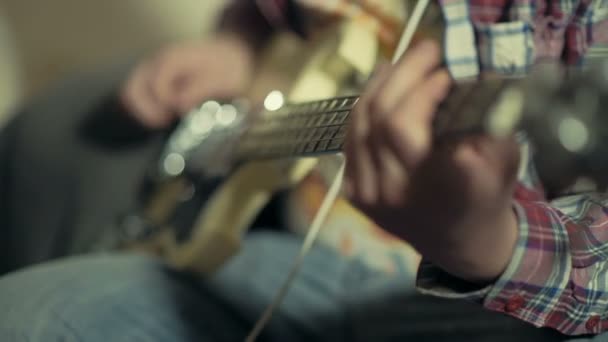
[{"x": 531, "y": 286}]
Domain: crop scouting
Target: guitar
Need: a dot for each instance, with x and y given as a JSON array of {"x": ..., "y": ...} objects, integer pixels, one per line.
[{"x": 225, "y": 160}]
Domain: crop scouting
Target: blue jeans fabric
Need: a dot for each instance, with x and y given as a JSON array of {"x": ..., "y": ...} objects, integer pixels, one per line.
[{"x": 124, "y": 297}]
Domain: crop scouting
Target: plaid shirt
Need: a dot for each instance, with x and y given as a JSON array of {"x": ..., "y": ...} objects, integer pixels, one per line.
[{"x": 558, "y": 275}]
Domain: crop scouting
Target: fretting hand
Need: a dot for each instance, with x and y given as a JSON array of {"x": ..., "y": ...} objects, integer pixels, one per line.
[{"x": 452, "y": 202}]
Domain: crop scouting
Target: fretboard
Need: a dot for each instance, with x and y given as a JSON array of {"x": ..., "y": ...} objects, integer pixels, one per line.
[
  {"x": 318, "y": 127},
  {"x": 299, "y": 129}
]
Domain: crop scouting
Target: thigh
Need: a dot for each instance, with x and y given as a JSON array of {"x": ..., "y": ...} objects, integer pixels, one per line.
[
  {"x": 128, "y": 297},
  {"x": 112, "y": 298},
  {"x": 313, "y": 309}
]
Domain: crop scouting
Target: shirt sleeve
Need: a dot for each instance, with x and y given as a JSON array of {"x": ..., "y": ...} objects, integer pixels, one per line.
[
  {"x": 587, "y": 28},
  {"x": 558, "y": 275}
]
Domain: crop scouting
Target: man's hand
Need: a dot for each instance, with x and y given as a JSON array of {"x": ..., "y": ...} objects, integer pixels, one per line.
[
  {"x": 452, "y": 202},
  {"x": 180, "y": 76}
]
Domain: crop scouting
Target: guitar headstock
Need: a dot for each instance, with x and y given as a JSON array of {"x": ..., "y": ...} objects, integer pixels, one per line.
[{"x": 566, "y": 116}]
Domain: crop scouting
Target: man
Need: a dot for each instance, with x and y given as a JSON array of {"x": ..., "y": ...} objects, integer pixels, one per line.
[{"x": 484, "y": 240}]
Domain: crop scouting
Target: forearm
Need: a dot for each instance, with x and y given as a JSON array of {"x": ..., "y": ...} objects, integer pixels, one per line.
[
  {"x": 556, "y": 276},
  {"x": 481, "y": 257}
]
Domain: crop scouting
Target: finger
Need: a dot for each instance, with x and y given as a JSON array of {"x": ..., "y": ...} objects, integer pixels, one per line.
[
  {"x": 358, "y": 127},
  {"x": 499, "y": 155},
  {"x": 359, "y": 168},
  {"x": 476, "y": 166},
  {"x": 139, "y": 100},
  {"x": 410, "y": 70},
  {"x": 393, "y": 177},
  {"x": 407, "y": 132},
  {"x": 190, "y": 95},
  {"x": 168, "y": 74}
]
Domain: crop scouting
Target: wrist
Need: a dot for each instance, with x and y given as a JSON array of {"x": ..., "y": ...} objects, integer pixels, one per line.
[{"x": 478, "y": 252}]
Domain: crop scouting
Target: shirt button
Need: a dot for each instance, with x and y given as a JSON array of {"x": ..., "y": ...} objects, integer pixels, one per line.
[
  {"x": 514, "y": 303},
  {"x": 592, "y": 322}
]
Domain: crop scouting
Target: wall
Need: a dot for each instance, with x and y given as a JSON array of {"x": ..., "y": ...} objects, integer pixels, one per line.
[
  {"x": 54, "y": 38},
  {"x": 10, "y": 70}
]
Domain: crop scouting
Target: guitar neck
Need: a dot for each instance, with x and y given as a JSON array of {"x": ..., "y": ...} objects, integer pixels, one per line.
[
  {"x": 318, "y": 127},
  {"x": 299, "y": 129}
]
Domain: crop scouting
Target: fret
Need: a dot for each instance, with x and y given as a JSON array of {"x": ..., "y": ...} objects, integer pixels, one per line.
[
  {"x": 312, "y": 120},
  {"x": 318, "y": 133},
  {"x": 341, "y": 132},
  {"x": 315, "y": 120},
  {"x": 331, "y": 132},
  {"x": 310, "y": 146},
  {"x": 322, "y": 145},
  {"x": 337, "y": 103},
  {"x": 341, "y": 117},
  {"x": 323, "y": 119},
  {"x": 321, "y": 106},
  {"x": 331, "y": 118},
  {"x": 308, "y": 134},
  {"x": 313, "y": 107},
  {"x": 335, "y": 144},
  {"x": 353, "y": 101},
  {"x": 350, "y": 102}
]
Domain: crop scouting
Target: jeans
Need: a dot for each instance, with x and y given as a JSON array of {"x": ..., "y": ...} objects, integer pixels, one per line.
[{"x": 124, "y": 297}]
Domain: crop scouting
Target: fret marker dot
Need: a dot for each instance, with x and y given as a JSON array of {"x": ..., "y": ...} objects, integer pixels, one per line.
[
  {"x": 226, "y": 115},
  {"x": 573, "y": 134},
  {"x": 174, "y": 164},
  {"x": 202, "y": 123},
  {"x": 274, "y": 100}
]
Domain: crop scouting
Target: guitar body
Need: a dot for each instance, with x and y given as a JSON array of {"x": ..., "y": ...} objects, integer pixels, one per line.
[{"x": 206, "y": 229}]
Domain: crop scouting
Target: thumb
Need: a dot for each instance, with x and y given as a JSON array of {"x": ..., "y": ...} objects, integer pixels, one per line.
[
  {"x": 192, "y": 95},
  {"x": 201, "y": 88}
]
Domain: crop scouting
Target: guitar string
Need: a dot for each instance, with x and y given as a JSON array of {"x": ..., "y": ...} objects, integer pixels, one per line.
[
  {"x": 313, "y": 232},
  {"x": 332, "y": 193}
]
